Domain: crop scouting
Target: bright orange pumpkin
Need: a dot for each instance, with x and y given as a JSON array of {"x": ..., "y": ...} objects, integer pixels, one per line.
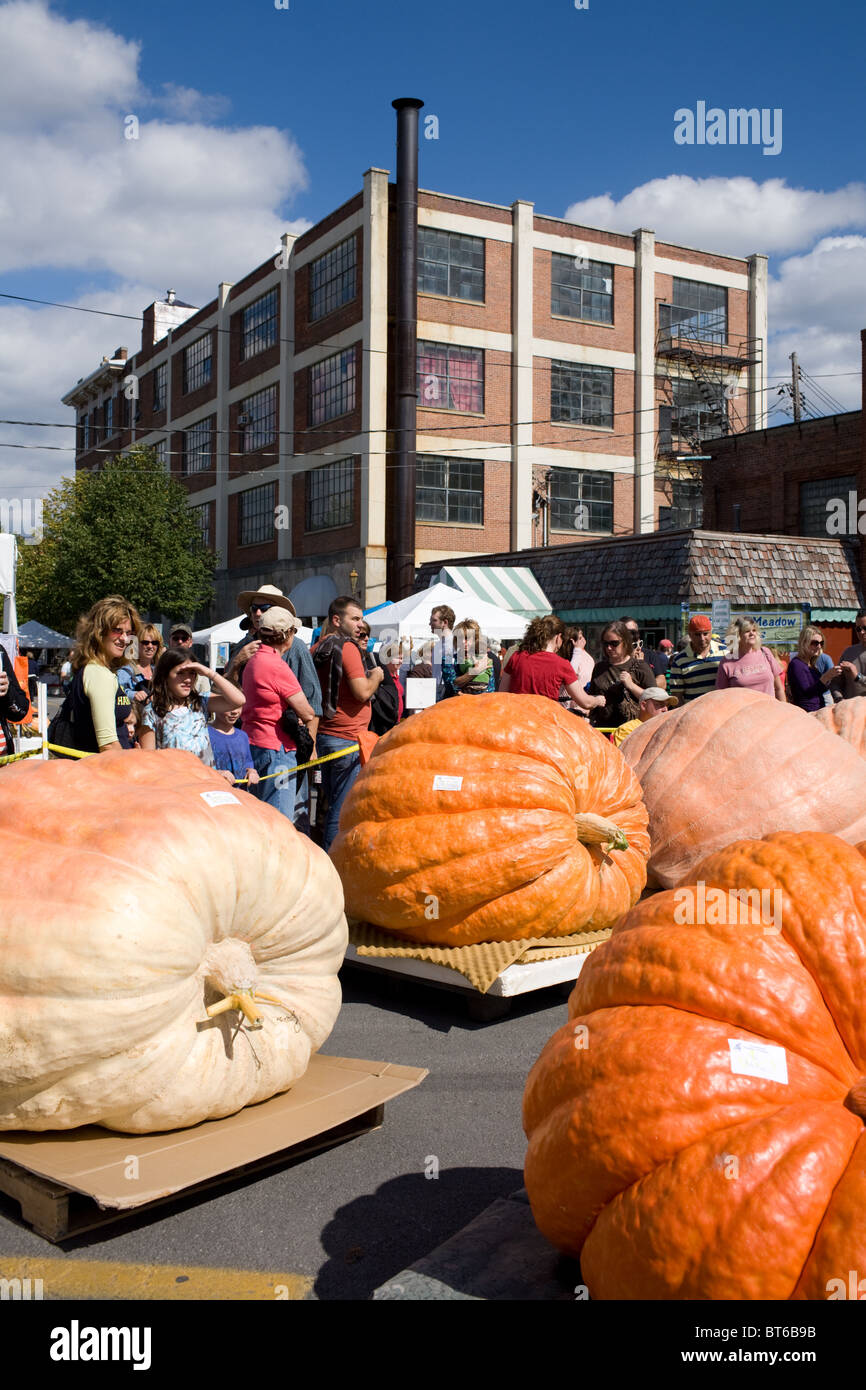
[
  {"x": 478, "y": 820},
  {"x": 848, "y": 720},
  {"x": 658, "y": 1153},
  {"x": 736, "y": 764}
]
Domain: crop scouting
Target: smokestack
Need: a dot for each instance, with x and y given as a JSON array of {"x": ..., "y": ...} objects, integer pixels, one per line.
[{"x": 401, "y": 554}]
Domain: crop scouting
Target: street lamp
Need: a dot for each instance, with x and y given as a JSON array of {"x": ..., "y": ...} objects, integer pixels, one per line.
[{"x": 353, "y": 579}]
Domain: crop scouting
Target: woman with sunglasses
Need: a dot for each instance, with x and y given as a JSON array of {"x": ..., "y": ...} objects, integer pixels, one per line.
[
  {"x": 136, "y": 677},
  {"x": 810, "y": 671},
  {"x": 620, "y": 677},
  {"x": 94, "y": 714}
]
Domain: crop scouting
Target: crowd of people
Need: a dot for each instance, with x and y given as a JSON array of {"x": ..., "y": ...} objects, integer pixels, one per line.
[{"x": 280, "y": 704}]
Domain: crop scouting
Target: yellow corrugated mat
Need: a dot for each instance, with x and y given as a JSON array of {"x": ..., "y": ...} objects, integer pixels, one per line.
[{"x": 481, "y": 964}]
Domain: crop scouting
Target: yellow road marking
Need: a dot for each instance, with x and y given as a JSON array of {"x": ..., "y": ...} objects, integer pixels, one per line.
[{"x": 92, "y": 1279}]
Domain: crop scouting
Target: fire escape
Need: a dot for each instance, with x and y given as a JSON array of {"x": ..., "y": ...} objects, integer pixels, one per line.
[{"x": 698, "y": 369}]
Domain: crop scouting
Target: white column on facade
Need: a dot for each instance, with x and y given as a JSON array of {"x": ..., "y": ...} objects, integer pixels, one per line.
[
  {"x": 223, "y": 441},
  {"x": 758, "y": 282},
  {"x": 522, "y": 373},
  {"x": 286, "y": 424},
  {"x": 374, "y": 377},
  {"x": 644, "y": 380}
]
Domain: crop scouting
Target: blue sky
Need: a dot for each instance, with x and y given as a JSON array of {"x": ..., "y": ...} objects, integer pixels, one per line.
[{"x": 255, "y": 119}]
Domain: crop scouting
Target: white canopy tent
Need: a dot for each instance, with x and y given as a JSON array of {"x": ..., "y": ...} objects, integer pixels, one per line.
[
  {"x": 224, "y": 636},
  {"x": 411, "y": 616},
  {"x": 8, "y": 618}
]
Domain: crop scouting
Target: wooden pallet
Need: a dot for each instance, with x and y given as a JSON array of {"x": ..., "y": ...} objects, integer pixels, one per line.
[{"x": 58, "y": 1213}]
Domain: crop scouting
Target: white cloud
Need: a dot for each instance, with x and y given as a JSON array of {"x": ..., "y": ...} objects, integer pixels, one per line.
[
  {"x": 734, "y": 217},
  {"x": 816, "y": 297},
  {"x": 187, "y": 204}
]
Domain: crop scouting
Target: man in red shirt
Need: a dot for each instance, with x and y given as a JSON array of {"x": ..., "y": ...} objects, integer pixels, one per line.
[{"x": 346, "y": 694}]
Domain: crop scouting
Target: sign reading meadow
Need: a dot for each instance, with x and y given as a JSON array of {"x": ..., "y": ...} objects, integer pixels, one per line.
[{"x": 776, "y": 629}]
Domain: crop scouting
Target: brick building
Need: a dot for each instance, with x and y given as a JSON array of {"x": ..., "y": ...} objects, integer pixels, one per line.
[{"x": 562, "y": 370}]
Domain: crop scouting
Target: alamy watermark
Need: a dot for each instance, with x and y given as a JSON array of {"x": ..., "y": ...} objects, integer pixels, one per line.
[
  {"x": 736, "y": 126},
  {"x": 698, "y": 905},
  {"x": 846, "y": 516},
  {"x": 22, "y": 516}
]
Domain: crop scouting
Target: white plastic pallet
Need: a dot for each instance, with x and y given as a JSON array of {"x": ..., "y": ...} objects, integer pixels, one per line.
[{"x": 516, "y": 979}]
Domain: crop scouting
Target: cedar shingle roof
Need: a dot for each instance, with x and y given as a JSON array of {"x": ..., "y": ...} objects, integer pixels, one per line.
[{"x": 671, "y": 567}]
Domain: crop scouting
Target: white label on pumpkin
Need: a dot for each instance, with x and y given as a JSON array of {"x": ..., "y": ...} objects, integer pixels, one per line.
[
  {"x": 220, "y": 798},
  {"x": 447, "y": 784},
  {"x": 758, "y": 1059}
]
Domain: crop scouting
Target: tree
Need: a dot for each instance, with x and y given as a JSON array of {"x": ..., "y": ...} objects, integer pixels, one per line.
[{"x": 125, "y": 529}]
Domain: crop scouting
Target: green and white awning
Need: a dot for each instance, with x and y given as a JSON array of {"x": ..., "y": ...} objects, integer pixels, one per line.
[{"x": 514, "y": 588}]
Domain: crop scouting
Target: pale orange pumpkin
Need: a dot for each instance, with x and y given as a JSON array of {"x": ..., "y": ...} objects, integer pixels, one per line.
[
  {"x": 847, "y": 718},
  {"x": 169, "y": 947},
  {"x": 492, "y": 818},
  {"x": 734, "y": 764}
]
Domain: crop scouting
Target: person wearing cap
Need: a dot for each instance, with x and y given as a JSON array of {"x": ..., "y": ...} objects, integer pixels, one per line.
[
  {"x": 269, "y": 686},
  {"x": 652, "y": 702},
  {"x": 255, "y": 603},
  {"x": 693, "y": 671}
]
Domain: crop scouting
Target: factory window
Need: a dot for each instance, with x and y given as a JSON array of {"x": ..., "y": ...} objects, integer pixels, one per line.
[
  {"x": 332, "y": 387},
  {"x": 198, "y": 446},
  {"x": 450, "y": 264},
  {"x": 257, "y": 419},
  {"x": 330, "y": 495},
  {"x": 581, "y": 500},
  {"x": 256, "y": 515},
  {"x": 449, "y": 490},
  {"x": 581, "y": 289},
  {"x": 333, "y": 279},
  {"x": 451, "y": 378},
  {"x": 697, "y": 311},
  {"x": 814, "y": 496},
  {"x": 160, "y": 376},
  {"x": 581, "y": 395},
  {"x": 259, "y": 327},
  {"x": 197, "y": 361}
]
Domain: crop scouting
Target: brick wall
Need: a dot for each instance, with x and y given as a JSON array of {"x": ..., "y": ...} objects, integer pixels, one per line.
[
  {"x": 337, "y": 538},
  {"x": 309, "y": 439},
  {"x": 244, "y": 370},
  {"x": 344, "y": 316},
  {"x": 264, "y": 553},
  {"x": 618, "y": 336},
  {"x": 493, "y": 534}
]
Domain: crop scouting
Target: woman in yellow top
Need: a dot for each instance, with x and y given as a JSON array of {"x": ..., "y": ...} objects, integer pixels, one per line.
[{"x": 96, "y": 707}]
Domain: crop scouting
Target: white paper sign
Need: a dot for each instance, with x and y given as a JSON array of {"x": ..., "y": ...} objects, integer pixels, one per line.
[
  {"x": 447, "y": 784},
  {"x": 220, "y": 798},
  {"x": 420, "y": 692},
  {"x": 758, "y": 1059}
]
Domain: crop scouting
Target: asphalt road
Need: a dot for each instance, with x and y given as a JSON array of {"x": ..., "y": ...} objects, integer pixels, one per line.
[{"x": 348, "y": 1219}]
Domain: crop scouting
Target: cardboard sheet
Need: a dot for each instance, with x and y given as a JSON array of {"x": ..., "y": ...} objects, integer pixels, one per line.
[
  {"x": 480, "y": 964},
  {"x": 98, "y": 1162}
]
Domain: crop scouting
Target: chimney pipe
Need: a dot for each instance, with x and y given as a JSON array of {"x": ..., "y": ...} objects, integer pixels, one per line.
[
  {"x": 737, "y": 509},
  {"x": 401, "y": 554}
]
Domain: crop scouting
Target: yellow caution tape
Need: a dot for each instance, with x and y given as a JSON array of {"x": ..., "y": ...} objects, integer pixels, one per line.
[{"x": 290, "y": 771}]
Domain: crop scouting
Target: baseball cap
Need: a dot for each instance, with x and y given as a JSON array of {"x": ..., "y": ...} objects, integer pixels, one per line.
[
  {"x": 660, "y": 696},
  {"x": 665, "y": 643},
  {"x": 181, "y": 627},
  {"x": 278, "y": 620}
]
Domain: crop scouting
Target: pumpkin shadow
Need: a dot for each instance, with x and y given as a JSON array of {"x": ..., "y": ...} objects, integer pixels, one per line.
[
  {"x": 443, "y": 1009},
  {"x": 373, "y": 1238}
]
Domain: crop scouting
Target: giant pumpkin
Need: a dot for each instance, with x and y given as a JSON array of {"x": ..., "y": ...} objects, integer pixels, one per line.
[
  {"x": 492, "y": 818},
  {"x": 847, "y": 718},
  {"x": 734, "y": 763},
  {"x": 696, "y": 1131},
  {"x": 169, "y": 947}
]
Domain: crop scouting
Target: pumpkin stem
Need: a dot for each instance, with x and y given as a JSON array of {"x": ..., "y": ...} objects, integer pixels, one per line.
[
  {"x": 855, "y": 1101},
  {"x": 595, "y": 830},
  {"x": 242, "y": 1000}
]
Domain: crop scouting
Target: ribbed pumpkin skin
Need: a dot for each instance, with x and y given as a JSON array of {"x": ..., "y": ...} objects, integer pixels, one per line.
[
  {"x": 498, "y": 859},
  {"x": 735, "y": 764},
  {"x": 118, "y": 878},
  {"x": 671, "y": 1176},
  {"x": 848, "y": 720}
]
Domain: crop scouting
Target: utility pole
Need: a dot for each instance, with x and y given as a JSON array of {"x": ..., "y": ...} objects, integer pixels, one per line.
[
  {"x": 795, "y": 386},
  {"x": 546, "y": 528}
]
